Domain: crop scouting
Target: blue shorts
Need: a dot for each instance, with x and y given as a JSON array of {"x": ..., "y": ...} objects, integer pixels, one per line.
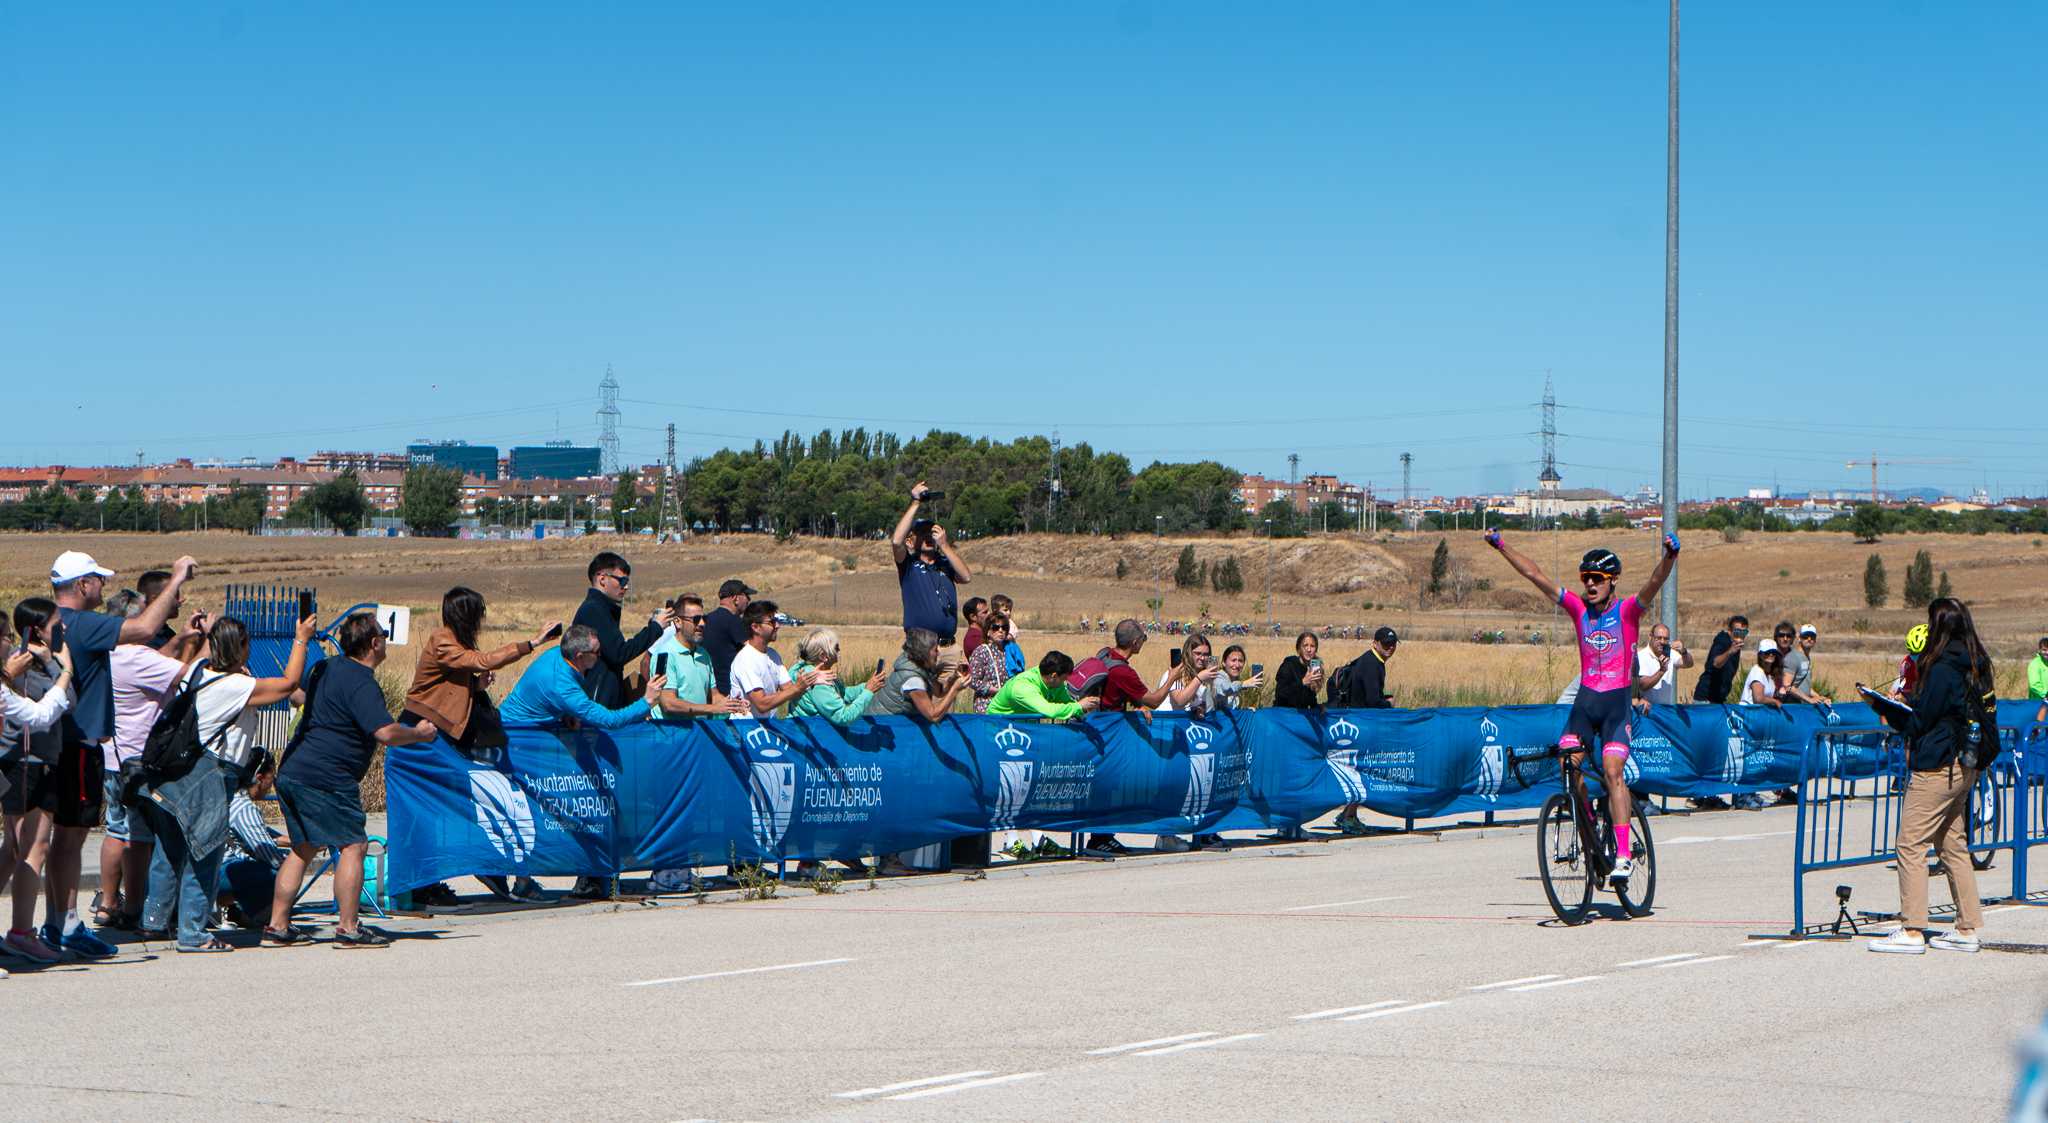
[
  {"x": 122, "y": 821},
  {"x": 321, "y": 816},
  {"x": 1599, "y": 717}
]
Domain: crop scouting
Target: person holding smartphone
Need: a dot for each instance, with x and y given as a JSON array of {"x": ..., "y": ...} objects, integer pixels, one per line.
[
  {"x": 830, "y": 698},
  {"x": 1233, "y": 682},
  {"x": 1300, "y": 676},
  {"x": 450, "y": 684},
  {"x": 928, "y": 569},
  {"x": 685, "y": 663}
]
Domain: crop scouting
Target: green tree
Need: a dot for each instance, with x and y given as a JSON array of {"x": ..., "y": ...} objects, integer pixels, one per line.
[
  {"x": 1919, "y": 587},
  {"x": 430, "y": 499},
  {"x": 341, "y": 502},
  {"x": 1187, "y": 573},
  {"x": 1944, "y": 589},
  {"x": 1867, "y": 523},
  {"x": 1439, "y": 567},
  {"x": 1280, "y": 519},
  {"x": 625, "y": 497},
  {"x": 1225, "y": 576},
  {"x": 1877, "y": 588}
]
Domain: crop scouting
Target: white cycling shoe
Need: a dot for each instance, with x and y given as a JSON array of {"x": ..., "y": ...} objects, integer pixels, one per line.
[{"x": 1623, "y": 870}]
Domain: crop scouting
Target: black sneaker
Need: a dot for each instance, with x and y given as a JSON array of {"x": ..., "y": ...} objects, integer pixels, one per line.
[
  {"x": 591, "y": 889},
  {"x": 1709, "y": 803},
  {"x": 1107, "y": 844},
  {"x": 291, "y": 936},
  {"x": 363, "y": 937}
]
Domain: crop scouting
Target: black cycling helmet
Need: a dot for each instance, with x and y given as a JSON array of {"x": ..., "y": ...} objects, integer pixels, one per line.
[{"x": 1600, "y": 561}]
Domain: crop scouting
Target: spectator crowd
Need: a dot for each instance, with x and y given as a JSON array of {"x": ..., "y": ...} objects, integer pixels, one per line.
[{"x": 126, "y": 712}]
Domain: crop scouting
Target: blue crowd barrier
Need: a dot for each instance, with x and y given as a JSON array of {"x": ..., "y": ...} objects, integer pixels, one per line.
[
  {"x": 1852, "y": 787},
  {"x": 710, "y": 791}
]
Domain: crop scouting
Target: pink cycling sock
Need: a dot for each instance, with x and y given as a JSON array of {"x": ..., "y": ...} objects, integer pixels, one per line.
[{"x": 1621, "y": 850}]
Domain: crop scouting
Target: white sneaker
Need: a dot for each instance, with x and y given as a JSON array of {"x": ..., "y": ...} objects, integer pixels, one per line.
[
  {"x": 1901, "y": 942},
  {"x": 1623, "y": 870},
  {"x": 1953, "y": 941}
]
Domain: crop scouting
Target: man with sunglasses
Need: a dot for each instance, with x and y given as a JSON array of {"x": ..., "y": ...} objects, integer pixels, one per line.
[
  {"x": 610, "y": 579},
  {"x": 1607, "y": 628}
]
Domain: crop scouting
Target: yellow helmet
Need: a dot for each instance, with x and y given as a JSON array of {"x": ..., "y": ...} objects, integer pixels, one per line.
[{"x": 1916, "y": 639}]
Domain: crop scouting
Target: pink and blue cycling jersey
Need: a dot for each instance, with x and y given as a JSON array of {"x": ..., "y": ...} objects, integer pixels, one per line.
[{"x": 1607, "y": 640}]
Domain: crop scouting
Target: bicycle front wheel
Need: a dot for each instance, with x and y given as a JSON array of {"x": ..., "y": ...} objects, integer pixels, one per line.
[
  {"x": 1567, "y": 869},
  {"x": 1641, "y": 888}
]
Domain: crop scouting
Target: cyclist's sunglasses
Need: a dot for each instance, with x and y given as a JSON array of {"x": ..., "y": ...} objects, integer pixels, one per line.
[{"x": 1594, "y": 575}]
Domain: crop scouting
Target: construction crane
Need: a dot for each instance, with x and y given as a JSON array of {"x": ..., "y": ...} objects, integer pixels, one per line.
[{"x": 1874, "y": 462}]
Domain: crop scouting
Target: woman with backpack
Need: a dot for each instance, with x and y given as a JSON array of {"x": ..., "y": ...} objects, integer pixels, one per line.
[
  {"x": 1951, "y": 735},
  {"x": 189, "y": 812}
]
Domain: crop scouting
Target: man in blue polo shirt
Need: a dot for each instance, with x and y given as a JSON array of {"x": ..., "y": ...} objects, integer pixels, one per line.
[
  {"x": 78, "y": 585},
  {"x": 928, "y": 568}
]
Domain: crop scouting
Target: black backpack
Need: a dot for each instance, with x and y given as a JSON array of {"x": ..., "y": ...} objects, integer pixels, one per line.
[
  {"x": 1976, "y": 729},
  {"x": 173, "y": 746},
  {"x": 1338, "y": 695}
]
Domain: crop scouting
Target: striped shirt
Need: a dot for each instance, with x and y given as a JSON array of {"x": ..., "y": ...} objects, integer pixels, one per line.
[{"x": 248, "y": 835}]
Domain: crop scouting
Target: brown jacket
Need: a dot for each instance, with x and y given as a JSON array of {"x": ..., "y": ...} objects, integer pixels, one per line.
[{"x": 449, "y": 674}]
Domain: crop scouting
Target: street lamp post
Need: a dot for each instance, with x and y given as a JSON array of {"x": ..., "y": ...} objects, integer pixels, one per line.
[
  {"x": 1158, "y": 574},
  {"x": 1668, "y": 603},
  {"x": 1269, "y": 574}
]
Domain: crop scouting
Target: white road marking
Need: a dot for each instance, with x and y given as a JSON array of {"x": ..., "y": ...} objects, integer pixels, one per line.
[
  {"x": 919, "y": 1083},
  {"x": 1761, "y": 943},
  {"x": 741, "y": 971},
  {"x": 951, "y": 1088},
  {"x": 2008, "y": 908},
  {"x": 1697, "y": 839},
  {"x": 1348, "y": 1010},
  {"x": 1396, "y": 1010},
  {"x": 1197, "y": 1044},
  {"x": 1657, "y": 959},
  {"x": 1511, "y": 982},
  {"x": 1560, "y": 982},
  {"x": 1690, "y": 962},
  {"x": 1148, "y": 1044},
  {"x": 1341, "y": 904}
]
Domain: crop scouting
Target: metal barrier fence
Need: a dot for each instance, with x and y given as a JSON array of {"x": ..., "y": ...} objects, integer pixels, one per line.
[
  {"x": 1852, "y": 787},
  {"x": 271, "y": 613}
]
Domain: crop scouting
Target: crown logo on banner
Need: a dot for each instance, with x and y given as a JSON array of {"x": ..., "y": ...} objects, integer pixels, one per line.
[
  {"x": 1488, "y": 729},
  {"x": 1342, "y": 731},
  {"x": 1199, "y": 737},
  {"x": 766, "y": 741},
  {"x": 1013, "y": 741}
]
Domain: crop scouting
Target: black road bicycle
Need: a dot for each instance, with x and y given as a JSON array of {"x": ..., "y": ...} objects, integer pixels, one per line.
[{"x": 1575, "y": 842}]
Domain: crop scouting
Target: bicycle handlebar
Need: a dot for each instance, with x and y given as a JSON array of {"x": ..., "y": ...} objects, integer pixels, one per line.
[{"x": 1516, "y": 760}]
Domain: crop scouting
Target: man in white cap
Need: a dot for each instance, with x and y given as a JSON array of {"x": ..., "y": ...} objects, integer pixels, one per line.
[{"x": 78, "y": 585}]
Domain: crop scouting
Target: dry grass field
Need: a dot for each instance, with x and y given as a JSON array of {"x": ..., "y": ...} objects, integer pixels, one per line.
[{"x": 850, "y": 585}]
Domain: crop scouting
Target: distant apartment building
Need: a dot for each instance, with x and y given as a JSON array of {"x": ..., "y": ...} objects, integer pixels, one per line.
[
  {"x": 1255, "y": 491},
  {"x": 331, "y": 461}
]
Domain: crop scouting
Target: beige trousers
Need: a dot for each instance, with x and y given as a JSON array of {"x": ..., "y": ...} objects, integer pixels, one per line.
[{"x": 1934, "y": 816}]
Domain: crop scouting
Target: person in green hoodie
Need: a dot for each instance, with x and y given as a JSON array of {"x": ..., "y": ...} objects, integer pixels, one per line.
[
  {"x": 2037, "y": 673},
  {"x": 1042, "y": 692},
  {"x": 833, "y": 701}
]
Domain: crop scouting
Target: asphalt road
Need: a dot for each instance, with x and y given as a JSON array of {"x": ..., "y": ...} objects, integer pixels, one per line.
[{"x": 1378, "y": 978}]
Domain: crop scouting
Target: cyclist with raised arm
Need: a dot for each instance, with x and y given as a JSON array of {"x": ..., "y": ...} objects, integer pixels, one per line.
[{"x": 1607, "y": 629}]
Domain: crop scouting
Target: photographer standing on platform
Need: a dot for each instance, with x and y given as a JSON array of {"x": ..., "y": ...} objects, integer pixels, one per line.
[{"x": 928, "y": 569}]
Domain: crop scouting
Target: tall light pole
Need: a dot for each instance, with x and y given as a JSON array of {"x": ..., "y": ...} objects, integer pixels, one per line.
[
  {"x": 1269, "y": 575},
  {"x": 1158, "y": 574},
  {"x": 1668, "y": 613}
]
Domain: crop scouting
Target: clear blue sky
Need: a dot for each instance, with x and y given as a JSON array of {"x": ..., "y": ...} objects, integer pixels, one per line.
[{"x": 1175, "y": 229}]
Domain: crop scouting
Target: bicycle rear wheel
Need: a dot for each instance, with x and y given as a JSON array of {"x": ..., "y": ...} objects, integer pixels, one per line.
[
  {"x": 1641, "y": 888},
  {"x": 1567, "y": 869}
]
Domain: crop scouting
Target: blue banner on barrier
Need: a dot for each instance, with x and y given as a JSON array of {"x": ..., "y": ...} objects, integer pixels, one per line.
[{"x": 703, "y": 792}]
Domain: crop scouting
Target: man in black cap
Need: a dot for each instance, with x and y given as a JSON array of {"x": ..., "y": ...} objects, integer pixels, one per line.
[
  {"x": 1365, "y": 687},
  {"x": 725, "y": 633}
]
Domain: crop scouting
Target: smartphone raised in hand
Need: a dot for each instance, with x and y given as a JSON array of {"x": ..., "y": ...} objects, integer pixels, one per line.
[
  {"x": 1173, "y": 658},
  {"x": 305, "y": 603},
  {"x": 879, "y": 664},
  {"x": 661, "y": 664},
  {"x": 1258, "y": 668},
  {"x": 554, "y": 629}
]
